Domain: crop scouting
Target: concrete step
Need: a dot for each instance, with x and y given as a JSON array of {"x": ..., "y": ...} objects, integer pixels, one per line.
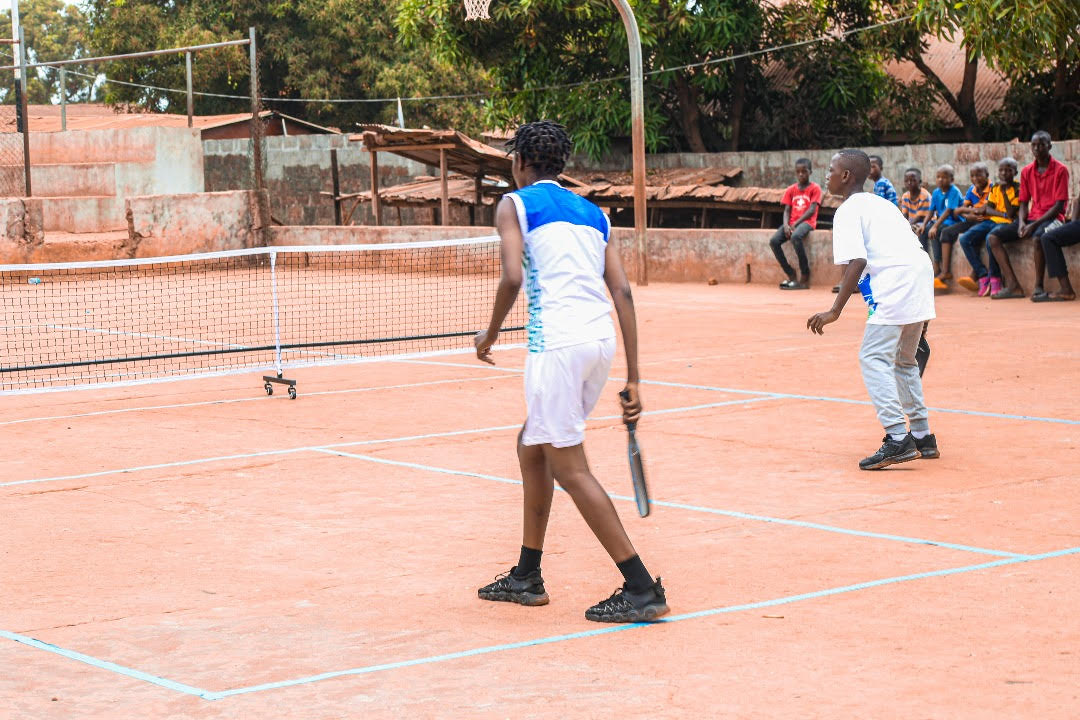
[
  {"x": 64, "y": 180},
  {"x": 84, "y": 214},
  {"x": 80, "y": 247}
]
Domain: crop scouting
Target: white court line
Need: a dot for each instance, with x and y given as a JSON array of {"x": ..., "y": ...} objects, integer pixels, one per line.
[
  {"x": 258, "y": 398},
  {"x": 354, "y": 443}
]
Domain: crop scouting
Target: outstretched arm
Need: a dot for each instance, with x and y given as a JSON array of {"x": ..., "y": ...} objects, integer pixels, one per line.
[
  {"x": 619, "y": 287},
  {"x": 852, "y": 272},
  {"x": 511, "y": 249}
]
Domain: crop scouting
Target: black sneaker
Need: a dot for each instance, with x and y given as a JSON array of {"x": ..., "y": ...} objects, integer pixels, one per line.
[
  {"x": 891, "y": 452},
  {"x": 528, "y": 590},
  {"x": 927, "y": 447},
  {"x": 628, "y": 607}
]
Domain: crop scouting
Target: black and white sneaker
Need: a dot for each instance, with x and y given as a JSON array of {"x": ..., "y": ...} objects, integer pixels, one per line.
[
  {"x": 891, "y": 452},
  {"x": 625, "y": 606},
  {"x": 528, "y": 590},
  {"x": 928, "y": 447}
]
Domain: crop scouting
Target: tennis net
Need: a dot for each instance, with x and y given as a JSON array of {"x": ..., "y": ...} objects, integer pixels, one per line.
[{"x": 130, "y": 321}]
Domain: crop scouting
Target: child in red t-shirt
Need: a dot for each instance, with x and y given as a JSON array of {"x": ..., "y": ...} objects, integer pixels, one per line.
[{"x": 801, "y": 202}]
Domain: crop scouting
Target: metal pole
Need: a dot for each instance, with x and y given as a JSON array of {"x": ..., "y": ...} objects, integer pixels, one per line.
[
  {"x": 637, "y": 133},
  {"x": 20, "y": 120},
  {"x": 26, "y": 116},
  {"x": 336, "y": 185},
  {"x": 190, "y": 96},
  {"x": 63, "y": 98},
  {"x": 261, "y": 200}
]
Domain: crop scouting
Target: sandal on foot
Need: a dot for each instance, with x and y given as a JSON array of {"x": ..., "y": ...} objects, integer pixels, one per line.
[{"x": 1008, "y": 294}]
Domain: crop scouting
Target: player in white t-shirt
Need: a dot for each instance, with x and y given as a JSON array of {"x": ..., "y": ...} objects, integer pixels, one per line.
[
  {"x": 559, "y": 242},
  {"x": 883, "y": 258}
]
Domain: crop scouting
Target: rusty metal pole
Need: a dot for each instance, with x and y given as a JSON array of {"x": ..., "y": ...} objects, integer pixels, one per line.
[
  {"x": 637, "y": 136},
  {"x": 25, "y": 113},
  {"x": 190, "y": 96}
]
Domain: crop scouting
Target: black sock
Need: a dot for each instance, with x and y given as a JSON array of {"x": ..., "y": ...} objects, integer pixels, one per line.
[
  {"x": 529, "y": 561},
  {"x": 637, "y": 577}
]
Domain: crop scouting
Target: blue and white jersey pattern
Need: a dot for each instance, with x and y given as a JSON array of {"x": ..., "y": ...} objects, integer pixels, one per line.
[{"x": 565, "y": 240}]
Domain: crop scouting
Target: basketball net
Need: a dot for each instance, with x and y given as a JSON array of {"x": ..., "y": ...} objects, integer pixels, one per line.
[{"x": 477, "y": 9}]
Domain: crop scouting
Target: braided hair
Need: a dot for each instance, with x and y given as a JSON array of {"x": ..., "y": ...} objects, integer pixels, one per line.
[{"x": 543, "y": 145}]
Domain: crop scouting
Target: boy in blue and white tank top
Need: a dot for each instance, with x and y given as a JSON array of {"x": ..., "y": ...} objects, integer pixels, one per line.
[{"x": 556, "y": 244}]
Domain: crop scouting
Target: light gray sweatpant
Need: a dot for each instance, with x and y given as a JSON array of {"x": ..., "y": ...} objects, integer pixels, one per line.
[{"x": 892, "y": 377}]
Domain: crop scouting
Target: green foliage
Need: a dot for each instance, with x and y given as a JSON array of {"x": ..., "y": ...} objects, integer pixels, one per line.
[
  {"x": 307, "y": 49},
  {"x": 532, "y": 45},
  {"x": 53, "y": 31}
]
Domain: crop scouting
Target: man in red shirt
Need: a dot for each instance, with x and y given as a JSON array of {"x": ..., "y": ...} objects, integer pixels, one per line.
[
  {"x": 801, "y": 202},
  {"x": 1044, "y": 190}
]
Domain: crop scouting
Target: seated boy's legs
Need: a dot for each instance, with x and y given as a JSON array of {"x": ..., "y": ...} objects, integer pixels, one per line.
[
  {"x": 776, "y": 243},
  {"x": 798, "y": 236},
  {"x": 972, "y": 242},
  {"x": 1053, "y": 242},
  {"x": 877, "y": 360},
  {"x": 946, "y": 239},
  {"x": 1000, "y": 267},
  {"x": 1038, "y": 256}
]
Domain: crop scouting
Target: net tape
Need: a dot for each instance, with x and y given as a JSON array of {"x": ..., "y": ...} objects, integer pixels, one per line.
[{"x": 106, "y": 323}]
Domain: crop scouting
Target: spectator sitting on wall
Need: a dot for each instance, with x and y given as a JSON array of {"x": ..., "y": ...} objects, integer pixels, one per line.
[
  {"x": 1052, "y": 242},
  {"x": 1044, "y": 190},
  {"x": 882, "y": 186},
  {"x": 1000, "y": 208},
  {"x": 915, "y": 202},
  {"x": 970, "y": 215},
  {"x": 801, "y": 202},
  {"x": 943, "y": 204}
]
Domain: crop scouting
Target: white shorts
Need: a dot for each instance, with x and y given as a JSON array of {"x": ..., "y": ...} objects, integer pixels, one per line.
[{"x": 562, "y": 387}]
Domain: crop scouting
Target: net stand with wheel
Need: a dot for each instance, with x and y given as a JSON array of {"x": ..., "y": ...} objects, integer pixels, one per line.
[{"x": 477, "y": 9}]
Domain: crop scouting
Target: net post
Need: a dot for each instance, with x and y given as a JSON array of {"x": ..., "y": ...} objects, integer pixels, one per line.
[
  {"x": 25, "y": 113},
  {"x": 637, "y": 112},
  {"x": 277, "y": 313},
  {"x": 190, "y": 95}
]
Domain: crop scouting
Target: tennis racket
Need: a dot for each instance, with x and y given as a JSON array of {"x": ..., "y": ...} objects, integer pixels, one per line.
[
  {"x": 922, "y": 353},
  {"x": 637, "y": 469}
]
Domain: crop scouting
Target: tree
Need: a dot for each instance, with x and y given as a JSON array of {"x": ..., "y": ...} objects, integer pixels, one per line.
[
  {"x": 566, "y": 59},
  {"x": 1023, "y": 41},
  {"x": 52, "y": 30},
  {"x": 308, "y": 49}
]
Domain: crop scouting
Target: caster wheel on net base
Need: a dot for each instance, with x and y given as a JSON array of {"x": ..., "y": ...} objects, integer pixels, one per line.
[
  {"x": 269, "y": 389},
  {"x": 292, "y": 392}
]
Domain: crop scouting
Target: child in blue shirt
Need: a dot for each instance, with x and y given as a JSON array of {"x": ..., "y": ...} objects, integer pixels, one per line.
[
  {"x": 943, "y": 204},
  {"x": 882, "y": 186}
]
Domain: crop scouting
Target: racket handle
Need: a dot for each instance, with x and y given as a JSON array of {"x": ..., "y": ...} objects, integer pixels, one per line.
[{"x": 630, "y": 427}]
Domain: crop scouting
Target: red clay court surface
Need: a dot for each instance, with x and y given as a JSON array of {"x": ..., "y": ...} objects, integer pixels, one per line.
[{"x": 199, "y": 550}]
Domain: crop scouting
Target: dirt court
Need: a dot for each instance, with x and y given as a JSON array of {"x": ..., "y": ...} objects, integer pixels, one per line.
[{"x": 196, "y": 549}]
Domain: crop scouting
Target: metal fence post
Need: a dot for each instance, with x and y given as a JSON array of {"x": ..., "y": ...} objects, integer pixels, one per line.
[
  {"x": 262, "y": 201},
  {"x": 26, "y": 116},
  {"x": 637, "y": 132},
  {"x": 63, "y": 98},
  {"x": 190, "y": 97}
]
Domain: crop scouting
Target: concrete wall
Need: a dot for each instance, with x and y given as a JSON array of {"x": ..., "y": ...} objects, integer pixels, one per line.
[
  {"x": 193, "y": 223},
  {"x": 298, "y": 169},
  {"x": 158, "y": 227},
  {"x": 21, "y": 229},
  {"x": 777, "y": 168}
]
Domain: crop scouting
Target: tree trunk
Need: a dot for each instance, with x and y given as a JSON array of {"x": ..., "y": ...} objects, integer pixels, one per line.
[
  {"x": 689, "y": 114},
  {"x": 962, "y": 104},
  {"x": 1066, "y": 87},
  {"x": 738, "y": 103}
]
